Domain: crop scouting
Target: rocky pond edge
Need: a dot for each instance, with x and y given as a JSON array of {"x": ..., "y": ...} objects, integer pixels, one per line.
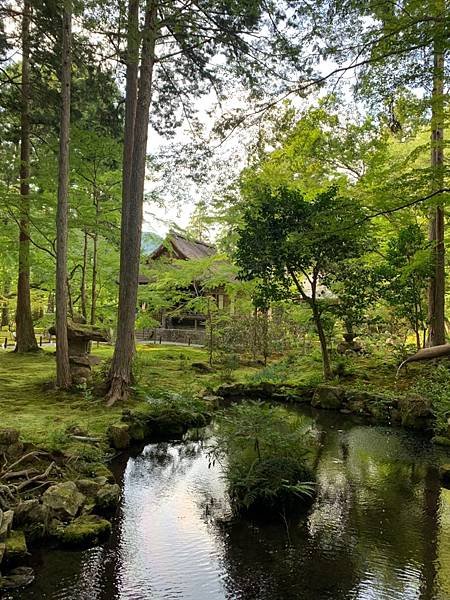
[{"x": 76, "y": 512}]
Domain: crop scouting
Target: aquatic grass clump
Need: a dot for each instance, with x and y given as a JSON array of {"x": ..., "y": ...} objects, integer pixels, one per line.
[{"x": 267, "y": 455}]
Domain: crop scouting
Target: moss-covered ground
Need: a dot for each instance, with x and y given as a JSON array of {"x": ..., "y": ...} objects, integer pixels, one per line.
[{"x": 30, "y": 403}]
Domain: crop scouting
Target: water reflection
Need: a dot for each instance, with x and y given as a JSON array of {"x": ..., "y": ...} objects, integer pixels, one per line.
[{"x": 379, "y": 529}]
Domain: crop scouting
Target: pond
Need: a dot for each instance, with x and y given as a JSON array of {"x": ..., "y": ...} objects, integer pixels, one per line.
[{"x": 379, "y": 528}]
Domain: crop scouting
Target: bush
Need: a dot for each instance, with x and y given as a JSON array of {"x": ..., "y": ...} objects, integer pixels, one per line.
[
  {"x": 266, "y": 452},
  {"x": 435, "y": 385}
]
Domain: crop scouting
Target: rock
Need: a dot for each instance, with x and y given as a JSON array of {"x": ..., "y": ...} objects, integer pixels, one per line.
[
  {"x": 445, "y": 474},
  {"x": 108, "y": 497},
  {"x": 85, "y": 531},
  {"x": 119, "y": 435},
  {"x": 83, "y": 361},
  {"x": 32, "y": 517},
  {"x": 6, "y": 521},
  {"x": 416, "y": 412},
  {"x": 327, "y": 396},
  {"x": 8, "y": 437},
  {"x": 10, "y": 445},
  {"x": 16, "y": 550},
  {"x": 2, "y": 551},
  {"x": 88, "y": 487},
  {"x": 17, "y": 578},
  {"x": 80, "y": 375},
  {"x": 13, "y": 450},
  {"x": 63, "y": 499},
  {"x": 101, "y": 470}
]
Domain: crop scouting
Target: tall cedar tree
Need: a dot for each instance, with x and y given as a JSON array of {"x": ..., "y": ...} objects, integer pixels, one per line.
[
  {"x": 63, "y": 378},
  {"x": 179, "y": 44},
  {"x": 25, "y": 338}
]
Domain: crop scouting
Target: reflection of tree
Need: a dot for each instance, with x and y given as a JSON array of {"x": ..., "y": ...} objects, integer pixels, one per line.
[{"x": 430, "y": 527}]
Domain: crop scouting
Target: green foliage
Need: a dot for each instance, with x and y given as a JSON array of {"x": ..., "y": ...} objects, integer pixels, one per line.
[
  {"x": 266, "y": 454},
  {"x": 435, "y": 385},
  {"x": 405, "y": 274}
]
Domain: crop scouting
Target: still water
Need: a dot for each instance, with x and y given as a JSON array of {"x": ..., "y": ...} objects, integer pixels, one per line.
[{"x": 379, "y": 529}]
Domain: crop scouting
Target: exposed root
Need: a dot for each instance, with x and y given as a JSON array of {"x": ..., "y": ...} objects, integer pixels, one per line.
[{"x": 119, "y": 391}]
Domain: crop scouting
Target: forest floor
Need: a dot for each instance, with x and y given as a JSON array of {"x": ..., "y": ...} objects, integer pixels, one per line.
[{"x": 30, "y": 403}]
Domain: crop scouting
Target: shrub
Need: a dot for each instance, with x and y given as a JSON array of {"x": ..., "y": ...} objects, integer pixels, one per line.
[
  {"x": 435, "y": 385},
  {"x": 266, "y": 452}
]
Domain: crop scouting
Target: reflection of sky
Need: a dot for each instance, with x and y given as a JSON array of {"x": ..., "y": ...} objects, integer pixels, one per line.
[{"x": 168, "y": 547}]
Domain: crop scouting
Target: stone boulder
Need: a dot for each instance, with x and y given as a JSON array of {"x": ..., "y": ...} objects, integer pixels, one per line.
[
  {"x": 84, "y": 532},
  {"x": 328, "y": 397},
  {"x": 32, "y": 517},
  {"x": 10, "y": 444},
  {"x": 416, "y": 412},
  {"x": 108, "y": 497},
  {"x": 6, "y": 521},
  {"x": 16, "y": 550},
  {"x": 119, "y": 435},
  {"x": 63, "y": 500}
]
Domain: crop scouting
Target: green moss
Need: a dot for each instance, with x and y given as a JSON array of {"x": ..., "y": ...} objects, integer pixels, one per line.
[
  {"x": 44, "y": 415},
  {"x": 85, "y": 531},
  {"x": 16, "y": 547},
  {"x": 441, "y": 440}
]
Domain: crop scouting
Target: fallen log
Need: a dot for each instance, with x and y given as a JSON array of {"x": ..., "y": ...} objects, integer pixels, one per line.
[{"x": 427, "y": 354}]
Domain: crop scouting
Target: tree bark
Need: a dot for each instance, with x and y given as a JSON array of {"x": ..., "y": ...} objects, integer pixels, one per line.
[
  {"x": 133, "y": 198},
  {"x": 436, "y": 290},
  {"x": 4, "y": 318},
  {"x": 63, "y": 378},
  {"x": 83, "y": 298},
  {"x": 327, "y": 373},
  {"x": 94, "y": 259},
  {"x": 25, "y": 338},
  {"x": 94, "y": 279}
]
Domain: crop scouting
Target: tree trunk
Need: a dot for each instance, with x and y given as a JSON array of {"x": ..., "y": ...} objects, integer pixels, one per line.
[
  {"x": 323, "y": 342},
  {"x": 94, "y": 258},
  {"x": 94, "y": 280},
  {"x": 133, "y": 198},
  {"x": 436, "y": 290},
  {"x": 51, "y": 303},
  {"x": 4, "y": 318},
  {"x": 63, "y": 378},
  {"x": 25, "y": 338},
  {"x": 83, "y": 298}
]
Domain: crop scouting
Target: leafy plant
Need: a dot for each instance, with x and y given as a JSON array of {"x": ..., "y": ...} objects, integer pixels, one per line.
[
  {"x": 435, "y": 385},
  {"x": 266, "y": 453}
]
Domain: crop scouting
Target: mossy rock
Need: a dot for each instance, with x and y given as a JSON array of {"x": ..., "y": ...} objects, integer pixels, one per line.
[
  {"x": 101, "y": 470},
  {"x": 416, "y": 412},
  {"x": 119, "y": 435},
  {"x": 108, "y": 497},
  {"x": 8, "y": 436},
  {"x": 328, "y": 397},
  {"x": 63, "y": 499},
  {"x": 84, "y": 532},
  {"x": 32, "y": 517},
  {"x": 16, "y": 550}
]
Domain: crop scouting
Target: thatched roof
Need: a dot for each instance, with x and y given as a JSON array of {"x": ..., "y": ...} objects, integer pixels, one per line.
[{"x": 182, "y": 248}]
